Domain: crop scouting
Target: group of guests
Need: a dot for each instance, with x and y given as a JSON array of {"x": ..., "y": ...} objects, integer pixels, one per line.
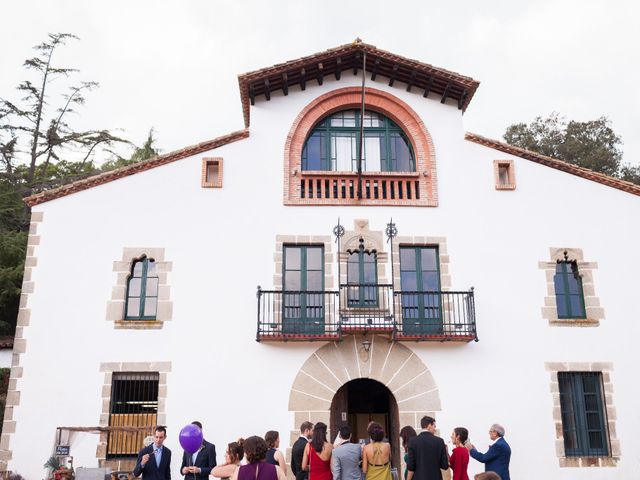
[{"x": 313, "y": 457}]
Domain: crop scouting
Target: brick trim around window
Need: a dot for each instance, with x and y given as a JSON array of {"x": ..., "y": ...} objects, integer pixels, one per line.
[
  {"x": 417, "y": 188},
  {"x": 605, "y": 368},
  {"x": 211, "y": 179},
  {"x": 510, "y": 184},
  {"x": 594, "y": 312},
  {"x": 115, "y": 306}
]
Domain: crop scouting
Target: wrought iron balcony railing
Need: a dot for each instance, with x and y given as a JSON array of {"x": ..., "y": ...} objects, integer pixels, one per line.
[{"x": 364, "y": 308}]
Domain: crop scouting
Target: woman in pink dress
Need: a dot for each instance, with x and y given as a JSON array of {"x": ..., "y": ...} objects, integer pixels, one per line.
[
  {"x": 459, "y": 460},
  {"x": 317, "y": 454}
]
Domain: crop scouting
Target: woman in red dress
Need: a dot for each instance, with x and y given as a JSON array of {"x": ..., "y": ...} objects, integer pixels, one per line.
[
  {"x": 317, "y": 454},
  {"x": 459, "y": 460}
]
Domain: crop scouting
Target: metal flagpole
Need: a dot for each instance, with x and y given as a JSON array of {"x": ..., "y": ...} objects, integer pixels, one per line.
[{"x": 364, "y": 67}]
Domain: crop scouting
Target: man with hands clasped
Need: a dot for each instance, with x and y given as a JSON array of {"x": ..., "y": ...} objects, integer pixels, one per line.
[{"x": 154, "y": 461}]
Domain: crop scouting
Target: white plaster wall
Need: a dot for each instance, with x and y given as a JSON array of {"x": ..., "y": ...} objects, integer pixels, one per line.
[
  {"x": 5, "y": 357},
  {"x": 221, "y": 243}
]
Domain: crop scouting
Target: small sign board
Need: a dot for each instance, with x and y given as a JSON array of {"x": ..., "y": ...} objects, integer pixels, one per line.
[{"x": 62, "y": 450}]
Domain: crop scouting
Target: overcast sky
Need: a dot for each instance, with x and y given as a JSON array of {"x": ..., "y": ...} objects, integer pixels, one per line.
[{"x": 173, "y": 65}]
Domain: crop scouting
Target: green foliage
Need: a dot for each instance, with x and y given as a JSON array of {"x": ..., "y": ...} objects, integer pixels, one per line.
[
  {"x": 592, "y": 144},
  {"x": 148, "y": 150},
  {"x": 630, "y": 173},
  {"x": 13, "y": 248},
  {"x": 36, "y": 141},
  {"x": 12, "y": 209},
  {"x": 52, "y": 464},
  {"x": 35, "y": 129}
]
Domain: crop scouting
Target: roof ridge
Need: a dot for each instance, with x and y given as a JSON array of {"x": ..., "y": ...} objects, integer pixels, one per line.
[{"x": 562, "y": 165}]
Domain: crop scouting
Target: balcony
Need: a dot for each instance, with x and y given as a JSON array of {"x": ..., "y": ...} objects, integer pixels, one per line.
[
  {"x": 368, "y": 308},
  {"x": 376, "y": 188}
]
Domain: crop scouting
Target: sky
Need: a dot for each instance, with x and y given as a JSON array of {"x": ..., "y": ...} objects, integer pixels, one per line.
[{"x": 173, "y": 65}]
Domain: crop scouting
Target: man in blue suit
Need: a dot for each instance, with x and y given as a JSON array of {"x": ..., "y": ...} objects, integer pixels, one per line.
[
  {"x": 154, "y": 461},
  {"x": 499, "y": 454}
]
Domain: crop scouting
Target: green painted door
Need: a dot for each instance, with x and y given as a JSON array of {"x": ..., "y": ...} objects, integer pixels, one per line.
[
  {"x": 303, "y": 302},
  {"x": 420, "y": 296}
]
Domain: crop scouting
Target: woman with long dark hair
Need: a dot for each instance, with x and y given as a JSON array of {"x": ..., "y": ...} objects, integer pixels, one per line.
[
  {"x": 317, "y": 454},
  {"x": 406, "y": 434},
  {"x": 255, "y": 451},
  {"x": 275, "y": 456},
  {"x": 459, "y": 460}
]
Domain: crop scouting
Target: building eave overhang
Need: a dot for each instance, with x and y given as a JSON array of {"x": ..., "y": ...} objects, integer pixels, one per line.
[
  {"x": 567, "y": 167},
  {"x": 348, "y": 59}
]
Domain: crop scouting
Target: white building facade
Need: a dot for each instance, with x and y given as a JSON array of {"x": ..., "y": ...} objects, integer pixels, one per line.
[{"x": 139, "y": 301}]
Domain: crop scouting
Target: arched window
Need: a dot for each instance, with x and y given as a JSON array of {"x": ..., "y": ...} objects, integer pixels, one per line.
[
  {"x": 362, "y": 277},
  {"x": 334, "y": 143},
  {"x": 569, "y": 293},
  {"x": 142, "y": 290}
]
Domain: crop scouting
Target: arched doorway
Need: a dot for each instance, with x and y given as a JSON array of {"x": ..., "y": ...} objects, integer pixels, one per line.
[
  {"x": 392, "y": 364},
  {"x": 364, "y": 400}
]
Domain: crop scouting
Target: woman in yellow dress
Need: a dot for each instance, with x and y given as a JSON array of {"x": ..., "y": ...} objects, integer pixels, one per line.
[{"x": 376, "y": 455}]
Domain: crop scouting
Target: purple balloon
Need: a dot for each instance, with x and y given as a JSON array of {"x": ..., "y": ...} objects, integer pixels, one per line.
[{"x": 191, "y": 438}]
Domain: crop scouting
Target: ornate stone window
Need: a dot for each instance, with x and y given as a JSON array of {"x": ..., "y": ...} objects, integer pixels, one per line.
[
  {"x": 141, "y": 296},
  {"x": 571, "y": 299},
  {"x": 142, "y": 290}
]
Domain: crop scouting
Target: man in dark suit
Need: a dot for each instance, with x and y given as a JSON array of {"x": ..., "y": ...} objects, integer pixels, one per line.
[
  {"x": 154, "y": 461},
  {"x": 198, "y": 465},
  {"x": 297, "y": 450},
  {"x": 498, "y": 456},
  {"x": 427, "y": 453}
]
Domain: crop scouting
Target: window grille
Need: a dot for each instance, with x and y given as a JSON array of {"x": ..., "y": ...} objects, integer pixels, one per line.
[
  {"x": 134, "y": 403},
  {"x": 584, "y": 422}
]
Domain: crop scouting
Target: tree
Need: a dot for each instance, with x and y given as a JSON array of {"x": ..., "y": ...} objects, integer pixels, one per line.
[
  {"x": 592, "y": 144},
  {"x": 630, "y": 173},
  {"x": 148, "y": 150},
  {"x": 43, "y": 131},
  {"x": 13, "y": 247}
]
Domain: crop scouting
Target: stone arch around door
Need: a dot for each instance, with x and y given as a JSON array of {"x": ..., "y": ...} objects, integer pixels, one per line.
[{"x": 390, "y": 363}]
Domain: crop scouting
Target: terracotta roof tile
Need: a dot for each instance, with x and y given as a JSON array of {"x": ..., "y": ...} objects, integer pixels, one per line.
[
  {"x": 112, "y": 175},
  {"x": 424, "y": 75},
  {"x": 623, "y": 185}
]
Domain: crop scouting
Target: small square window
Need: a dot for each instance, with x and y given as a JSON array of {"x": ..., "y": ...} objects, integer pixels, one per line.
[
  {"x": 212, "y": 172},
  {"x": 504, "y": 175}
]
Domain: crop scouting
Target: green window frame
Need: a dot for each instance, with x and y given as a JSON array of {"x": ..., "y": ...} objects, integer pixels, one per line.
[
  {"x": 142, "y": 290},
  {"x": 341, "y": 132},
  {"x": 303, "y": 289},
  {"x": 584, "y": 422},
  {"x": 420, "y": 290},
  {"x": 362, "y": 277},
  {"x": 568, "y": 290}
]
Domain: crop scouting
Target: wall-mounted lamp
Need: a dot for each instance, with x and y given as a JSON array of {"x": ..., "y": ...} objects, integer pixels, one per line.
[{"x": 366, "y": 344}]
